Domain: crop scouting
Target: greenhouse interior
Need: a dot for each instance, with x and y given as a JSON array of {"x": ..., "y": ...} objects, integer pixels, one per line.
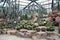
[{"x": 29, "y": 19}]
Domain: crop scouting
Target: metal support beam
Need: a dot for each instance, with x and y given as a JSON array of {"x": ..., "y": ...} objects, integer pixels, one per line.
[
  {"x": 39, "y": 5},
  {"x": 4, "y": 2},
  {"x": 32, "y": 2},
  {"x": 27, "y": 5}
]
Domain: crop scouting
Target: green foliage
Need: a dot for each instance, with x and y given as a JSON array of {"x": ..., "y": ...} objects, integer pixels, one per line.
[
  {"x": 37, "y": 29},
  {"x": 25, "y": 24},
  {"x": 43, "y": 29},
  {"x": 50, "y": 29},
  {"x": 49, "y": 24},
  {"x": 59, "y": 30},
  {"x": 24, "y": 17},
  {"x": 6, "y": 26}
]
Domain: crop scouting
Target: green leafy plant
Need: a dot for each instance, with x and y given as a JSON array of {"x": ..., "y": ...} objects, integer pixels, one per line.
[
  {"x": 49, "y": 24},
  {"x": 50, "y": 29},
  {"x": 29, "y": 27},
  {"x": 59, "y": 30},
  {"x": 43, "y": 29},
  {"x": 25, "y": 24},
  {"x": 19, "y": 27},
  {"x": 37, "y": 29}
]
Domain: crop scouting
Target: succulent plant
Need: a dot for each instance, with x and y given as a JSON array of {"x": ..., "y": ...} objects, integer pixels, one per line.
[
  {"x": 37, "y": 29},
  {"x": 59, "y": 30},
  {"x": 29, "y": 27},
  {"x": 43, "y": 29},
  {"x": 49, "y": 23},
  {"x": 50, "y": 29},
  {"x": 25, "y": 24}
]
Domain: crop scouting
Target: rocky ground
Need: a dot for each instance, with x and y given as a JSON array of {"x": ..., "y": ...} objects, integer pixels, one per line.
[
  {"x": 12, "y": 37},
  {"x": 18, "y": 37}
]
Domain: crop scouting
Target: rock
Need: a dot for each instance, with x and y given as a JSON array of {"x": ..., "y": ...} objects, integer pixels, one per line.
[
  {"x": 12, "y": 37},
  {"x": 41, "y": 35},
  {"x": 21, "y": 34},
  {"x": 50, "y": 33},
  {"x": 36, "y": 38},
  {"x": 49, "y": 19},
  {"x": 36, "y": 24},
  {"x": 58, "y": 13},
  {"x": 50, "y": 38},
  {"x": 57, "y": 19},
  {"x": 23, "y": 30},
  {"x": 4, "y": 31},
  {"x": 30, "y": 33},
  {"x": 42, "y": 27},
  {"x": 12, "y": 32},
  {"x": 2, "y": 21}
]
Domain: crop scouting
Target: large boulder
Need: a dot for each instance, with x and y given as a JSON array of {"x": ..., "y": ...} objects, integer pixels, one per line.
[
  {"x": 12, "y": 32},
  {"x": 57, "y": 19},
  {"x": 2, "y": 21},
  {"x": 4, "y": 31},
  {"x": 23, "y": 30},
  {"x": 41, "y": 35},
  {"x": 21, "y": 34},
  {"x": 50, "y": 33},
  {"x": 36, "y": 24},
  {"x": 49, "y": 19},
  {"x": 30, "y": 33}
]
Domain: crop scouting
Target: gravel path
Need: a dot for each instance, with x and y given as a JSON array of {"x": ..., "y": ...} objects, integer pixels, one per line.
[{"x": 12, "y": 37}]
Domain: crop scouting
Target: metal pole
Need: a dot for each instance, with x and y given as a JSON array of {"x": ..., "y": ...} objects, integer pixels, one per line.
[
  {"x": 15, "y": 6},
  {"x": 27, "y": 5},
  {"x": 58, "y": 5},
  {"x": 52, "y": 5}
]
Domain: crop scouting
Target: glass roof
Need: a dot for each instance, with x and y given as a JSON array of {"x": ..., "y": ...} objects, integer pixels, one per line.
[
  {"x": 44, "y": 3},
  {"x": 22, "y": 3}
]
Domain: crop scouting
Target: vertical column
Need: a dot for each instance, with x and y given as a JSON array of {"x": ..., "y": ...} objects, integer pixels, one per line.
[
  {"x": 58, "y": 4},
  {"x": 52, "y": 5}
]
